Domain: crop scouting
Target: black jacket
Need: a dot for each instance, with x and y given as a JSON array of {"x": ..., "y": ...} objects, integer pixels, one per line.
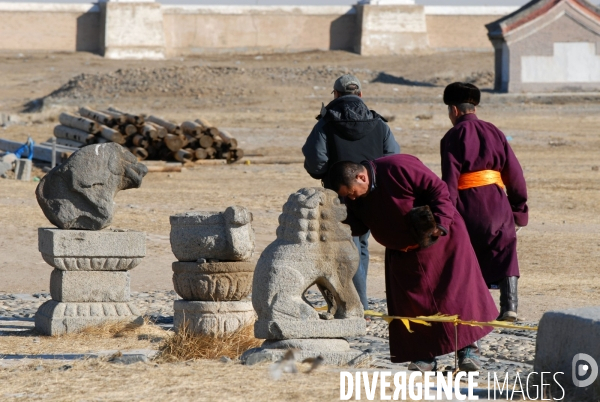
[{"x": 347, "y": 131}]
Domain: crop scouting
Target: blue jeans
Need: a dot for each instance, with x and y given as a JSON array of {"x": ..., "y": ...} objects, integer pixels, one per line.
[{"x": 360, "y": 278}]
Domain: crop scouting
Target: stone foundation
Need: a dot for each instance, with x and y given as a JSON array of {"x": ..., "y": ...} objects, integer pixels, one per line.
[
  {"x": 335, "y": 352},
  {"x": 310, "y": 328},
  {"x": 90, "y": 281},
  {"x": 213, "y": 318},
  {"x": 57, "y": 318}
]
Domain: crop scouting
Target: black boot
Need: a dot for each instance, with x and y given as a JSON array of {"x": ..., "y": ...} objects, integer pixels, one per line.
[{"x": 508, "y": 299}]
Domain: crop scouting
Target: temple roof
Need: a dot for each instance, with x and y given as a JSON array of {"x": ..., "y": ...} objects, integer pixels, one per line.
[{"x": 535, "y": 9}]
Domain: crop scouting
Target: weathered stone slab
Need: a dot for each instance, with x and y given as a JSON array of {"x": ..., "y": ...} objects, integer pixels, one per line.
[
  {"x": 23, "y": 169},
  {"x": 84, "y": 250},
  {"x": 56, "y": 318},
  {"x": 226, "y": 236},
  {"x": 317, "y": 345},
  {"x": 213, "y": 318},
  {"x": 291, "y": 329},
  {"x": 213, "y": 281},
  {"x": 79, "y": 194},
  {"x": 333, "y": 351},
  {"x": 561, "y": 339},
  {"x": 90, "y": 286}
]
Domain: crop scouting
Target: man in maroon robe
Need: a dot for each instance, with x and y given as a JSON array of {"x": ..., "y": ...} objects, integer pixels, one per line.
[
  {"x": 486, "y": 184},
  {"x": 442, "y": 278}
]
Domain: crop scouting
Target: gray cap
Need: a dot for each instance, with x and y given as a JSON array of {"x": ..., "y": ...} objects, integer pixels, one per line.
[{"x": 342, "y": 83}]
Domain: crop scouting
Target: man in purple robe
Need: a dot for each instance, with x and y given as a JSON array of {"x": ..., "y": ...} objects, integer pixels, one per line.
[
  {"x": 426, "y": 271},
  {"x": 486, "y": 184}
]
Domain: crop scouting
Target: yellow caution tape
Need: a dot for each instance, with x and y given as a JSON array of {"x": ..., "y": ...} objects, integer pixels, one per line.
[{"x": 453, "y": 319}]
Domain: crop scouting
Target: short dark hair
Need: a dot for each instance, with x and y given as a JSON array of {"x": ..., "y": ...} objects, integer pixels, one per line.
[
  {"x": 344, "y": 174},
  {"x": 351, "y": 89},
  {"x": 464, "y": 107}
]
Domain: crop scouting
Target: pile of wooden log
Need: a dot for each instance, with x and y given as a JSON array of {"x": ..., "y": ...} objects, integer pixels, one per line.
[{"x": 148, "y": 137}]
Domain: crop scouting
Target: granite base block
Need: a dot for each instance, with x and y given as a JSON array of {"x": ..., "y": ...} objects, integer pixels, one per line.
[
  {"x": 57, "y": 318},
  {"x": 335, "y": 352},
  {"x": 213, "y": 318},
  {"x": 302, "y": 329},
  {"x": 90, "y": 286},
  {"x": 91, "y": 250}
]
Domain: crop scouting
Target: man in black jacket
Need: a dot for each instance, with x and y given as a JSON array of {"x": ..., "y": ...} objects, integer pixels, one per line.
[{"x": 348, "y": 131}]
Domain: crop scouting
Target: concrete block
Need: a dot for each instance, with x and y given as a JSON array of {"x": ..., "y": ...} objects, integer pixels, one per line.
[
  {"x": 86, "y": 250},
  {"x": 291, "y": 329},
  {"x": 23, "y": 170},
  {"x": 335, "y": 352},
  {"x": 213, "y": 318},
  {"x": 91, "y": 286},
  {"x": 224, "y": 235},
  {"x": 562, "y": 338},
  {"x": 213, "y": 281},
  {"x": 57, "y": 318},
  {"x": 391, "y": 29},
  {"x": 133, "y": 30}
]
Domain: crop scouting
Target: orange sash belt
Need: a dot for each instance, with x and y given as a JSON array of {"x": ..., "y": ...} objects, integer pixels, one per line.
[{"x": 478, "y": 179}]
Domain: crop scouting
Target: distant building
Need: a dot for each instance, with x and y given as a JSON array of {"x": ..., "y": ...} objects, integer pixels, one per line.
[{"x": 548, "y": 46}]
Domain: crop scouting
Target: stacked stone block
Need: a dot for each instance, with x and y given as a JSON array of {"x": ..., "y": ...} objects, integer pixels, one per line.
[
  {"x": 213, "y": 274},
  {"x": 90, "y": 281}
]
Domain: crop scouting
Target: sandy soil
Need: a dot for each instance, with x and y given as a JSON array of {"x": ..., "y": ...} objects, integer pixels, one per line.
[{"x": 555, "y": 139}]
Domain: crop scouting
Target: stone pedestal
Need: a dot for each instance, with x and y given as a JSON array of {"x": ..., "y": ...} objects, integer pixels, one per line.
[
  {"x": 307, "y": 329},
  {"x": 90, "y": 281},
  {"x": 213, "y": 290},
  {"x": 213, "y": 281},
  {"x": 333, "y": 351},
  {"x": 132, "y": 30},
  {"x": 213, "y": 318},
  {"x": 391, "y": 29}
]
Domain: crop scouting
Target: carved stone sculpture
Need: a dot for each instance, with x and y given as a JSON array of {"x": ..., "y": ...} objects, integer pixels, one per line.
[
  {"x": 213, "y": 274},
  {"x": 225, "y": 236},
  {"x": 312, "y": 247},
  {"x": 217, "y": 281},
  {"x": 79, "y": 193}
]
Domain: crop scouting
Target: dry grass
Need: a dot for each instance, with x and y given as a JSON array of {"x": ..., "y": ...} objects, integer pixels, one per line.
[
  {"x": 186, "y": 345},
  {"x": 198, "y": 381},
  {"x": 120, "y": 329},
  {"x": 109, "y": 336}
]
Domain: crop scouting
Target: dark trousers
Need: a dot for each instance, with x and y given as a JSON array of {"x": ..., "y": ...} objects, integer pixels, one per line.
[{"x": 360, "y": 278}]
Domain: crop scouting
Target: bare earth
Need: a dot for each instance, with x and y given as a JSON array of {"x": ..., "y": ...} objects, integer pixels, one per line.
[{"x": 270, "y": 107}]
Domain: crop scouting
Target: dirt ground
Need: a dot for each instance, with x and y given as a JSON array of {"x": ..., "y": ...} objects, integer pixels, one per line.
[{"x": 270, "y": 107}]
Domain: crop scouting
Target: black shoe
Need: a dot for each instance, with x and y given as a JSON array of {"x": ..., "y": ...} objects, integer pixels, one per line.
[
  {"x": 469, "y": 358},
  {"x": 509, "y": 300},
  {"x": 423, "y": 365}
]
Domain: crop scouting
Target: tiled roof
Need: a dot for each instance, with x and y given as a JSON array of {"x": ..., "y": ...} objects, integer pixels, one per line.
[{"x": 533, "y": 10}]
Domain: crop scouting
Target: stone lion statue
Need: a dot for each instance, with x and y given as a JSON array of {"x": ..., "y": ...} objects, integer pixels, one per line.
[
  {"x": 312, "y": 247},
  {"x": 79, "y": 193}
]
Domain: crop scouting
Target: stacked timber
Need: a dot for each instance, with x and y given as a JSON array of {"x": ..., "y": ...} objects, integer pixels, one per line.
[{"x": 148, "y": 137}]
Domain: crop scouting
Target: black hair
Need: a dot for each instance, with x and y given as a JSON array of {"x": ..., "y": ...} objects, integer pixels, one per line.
[
  {"x": 344, "y": 174},
  {"x": 464, "y": 107}
]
